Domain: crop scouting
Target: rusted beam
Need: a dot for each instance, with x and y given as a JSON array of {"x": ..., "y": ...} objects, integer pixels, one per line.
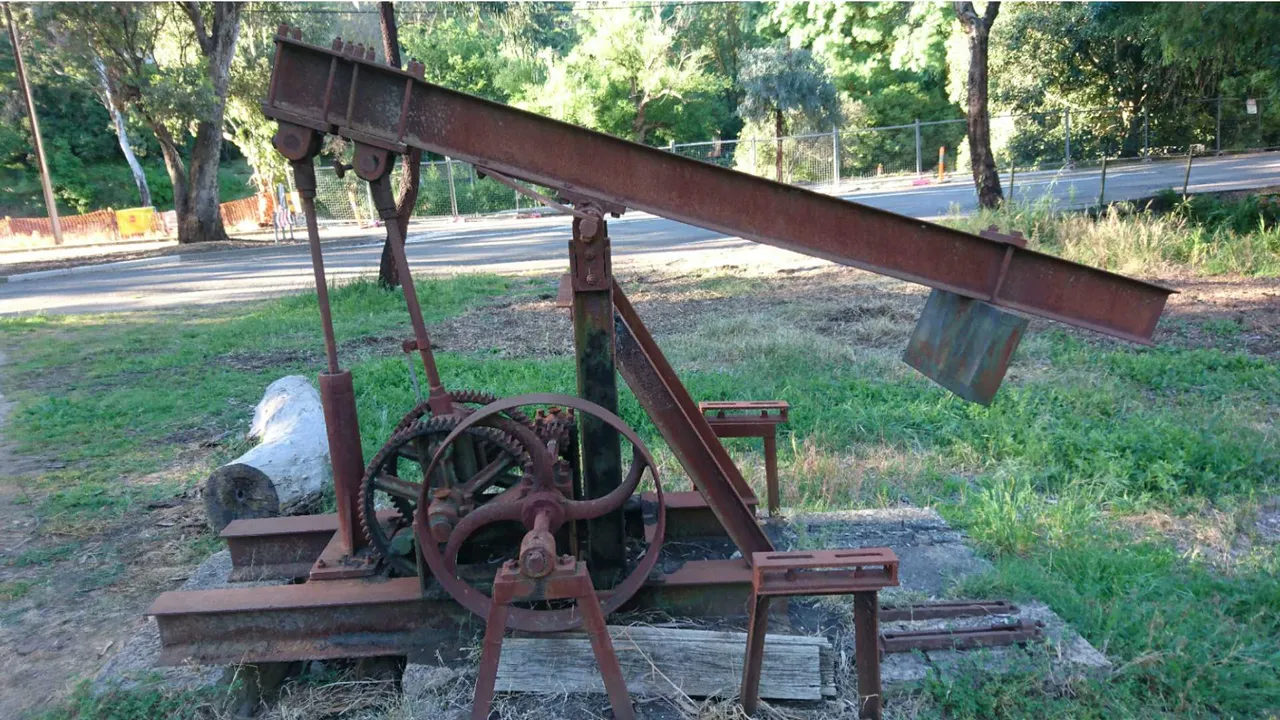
[
  {"x": 371, "y": 103},
  {"x": 655, "y": 384}
]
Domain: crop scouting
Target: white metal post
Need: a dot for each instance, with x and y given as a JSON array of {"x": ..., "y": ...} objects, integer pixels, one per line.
[
  {"x": 919, "y": 156},
  {"x": 453, "y": 193},
  {"x": 835, "y": 157}
]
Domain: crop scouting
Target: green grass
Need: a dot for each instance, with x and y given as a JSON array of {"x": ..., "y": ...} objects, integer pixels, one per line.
[
  {"x": 12, "y": 590},
  {"x": 1203, "y": 234},
  {"x": 1084, "y": 434}
]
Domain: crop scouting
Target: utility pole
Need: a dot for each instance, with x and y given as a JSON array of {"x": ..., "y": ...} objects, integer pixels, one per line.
[{"x": 45, "y": 184}]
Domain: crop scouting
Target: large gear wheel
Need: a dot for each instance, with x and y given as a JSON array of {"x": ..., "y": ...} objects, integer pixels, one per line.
[
  {"x": 473, "y": 398},
  {"x": 394, "y": 478}
]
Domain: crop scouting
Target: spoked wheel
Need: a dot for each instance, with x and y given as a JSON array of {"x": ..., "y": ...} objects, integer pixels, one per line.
[
  {"x": 541, "y": 499},
  {"x": 476, "y": 468}
]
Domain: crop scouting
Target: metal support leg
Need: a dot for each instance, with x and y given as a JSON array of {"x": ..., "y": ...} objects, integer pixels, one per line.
[
  {"x": 866, "y": 638},
  {"x": 338, "y": 398},
  {"x": 593, "y": 340},
  {"x": 602, "y": 647},
  {"x": 495, "y": 627},
  {"x": 759, "y": 624}
]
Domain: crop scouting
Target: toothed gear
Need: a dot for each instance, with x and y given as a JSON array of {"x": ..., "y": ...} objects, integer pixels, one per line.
[
  {"x": 476, "y": 398},
  {"x": 406, "y": 444}
]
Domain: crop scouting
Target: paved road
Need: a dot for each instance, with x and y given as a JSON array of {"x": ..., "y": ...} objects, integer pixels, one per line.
[{"x": 539, "y": 244}]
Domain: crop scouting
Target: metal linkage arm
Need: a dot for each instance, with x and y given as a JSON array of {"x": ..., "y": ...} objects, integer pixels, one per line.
[{"x": 368, "y": 102}]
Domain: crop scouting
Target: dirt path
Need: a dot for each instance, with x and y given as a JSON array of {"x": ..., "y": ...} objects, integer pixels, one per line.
[{"x": 63, "y": 608}]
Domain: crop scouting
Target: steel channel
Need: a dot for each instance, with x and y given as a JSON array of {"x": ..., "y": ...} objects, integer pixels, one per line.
[
  {"x": 938, "y": 611},
  {"x": 563, "y": 156},
  {"x": 866, "y": 651},
  {"x": 961, "y": 639},
  {"x": 593, "y": 341},
  {"x": 686, "y": 431}
]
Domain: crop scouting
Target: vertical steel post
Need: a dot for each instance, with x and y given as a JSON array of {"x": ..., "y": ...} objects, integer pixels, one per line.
[
  {"x": 1146, "y": 135},
  {"x": 1066, "y": 125},
  {"x": 757, "y": 626},
  {"x": 1013, "y": 171},
  {"x": 1102, "y": 189},
  {"x": 453, "y": 193},
  {"x": 1187, "y": 179},
  {"x": 919, "y": 155},
  {"x": 866, "y": 649},
  {"x": 593, "y": 341},
  {"x": 835, "y": 157},
  {"x": 1217, "y": 139}
]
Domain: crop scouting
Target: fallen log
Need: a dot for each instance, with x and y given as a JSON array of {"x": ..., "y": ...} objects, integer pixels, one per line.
[
  {"x": 669, "y": 662},
  {"x": 287, "y": 472}
]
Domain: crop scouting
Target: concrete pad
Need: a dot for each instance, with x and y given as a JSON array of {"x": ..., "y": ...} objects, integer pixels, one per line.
[{"x": 135, "y": 664}]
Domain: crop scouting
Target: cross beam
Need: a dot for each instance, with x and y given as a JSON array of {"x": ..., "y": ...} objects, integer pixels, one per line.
[{"x": 334, "y": 92}]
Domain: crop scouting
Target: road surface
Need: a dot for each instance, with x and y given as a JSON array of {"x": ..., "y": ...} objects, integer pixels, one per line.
[{"x": 539, "y": 244}]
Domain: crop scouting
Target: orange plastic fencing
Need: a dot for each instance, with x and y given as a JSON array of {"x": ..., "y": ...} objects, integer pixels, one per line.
[{"x": 103, "y": 225}]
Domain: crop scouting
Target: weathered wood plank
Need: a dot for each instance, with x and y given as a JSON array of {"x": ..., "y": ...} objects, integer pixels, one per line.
[{"x": 669, "y": 661}]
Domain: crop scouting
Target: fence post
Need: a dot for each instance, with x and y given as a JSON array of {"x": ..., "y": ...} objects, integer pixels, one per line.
[
  {"x": 1102, "y": 188},
  {"x": 1066, "y": 125},
  {"x": 369, "y": 209},
  {"x": 1187, "y": 179},
  {"x": 1217, "y": 136},
  {"x": 671, "y": 146},
  {"x": 1013, "y": 172},
  {"x": 919, "y": 156},
  {"x": 942, "y": 163},
  {"x": 1146, "y": 135},
  {"x": 835, "y": 157},
  {"x": 453, "y": 192}
]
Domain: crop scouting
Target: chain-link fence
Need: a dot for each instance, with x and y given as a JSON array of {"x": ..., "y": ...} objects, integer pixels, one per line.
[{"x": 916, "y": 150}]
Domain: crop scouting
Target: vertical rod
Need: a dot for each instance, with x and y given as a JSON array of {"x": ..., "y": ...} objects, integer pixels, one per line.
[
  {"x": 593, "y": 343},
  {"x": 380, "y": 190},
  {"x": 1102, "y": 190},
  {"x": 1066, "y": 125},
  {"x": 1186, "y": 180},
  {"x": 835, "y": 157},
  {"x": 1217, "y": 140},
  {"x": 45, "y": 184},
  {"x": 757, "y": 627},
  {"x": 1013, "y": 172},
  {"x": 304, "y": 179},
  {"x": 919, "y": 155},
  {"x": 771, "y": 470},
  {"x": 453, "y": 193},
  {"x": 866, "y": 641}
]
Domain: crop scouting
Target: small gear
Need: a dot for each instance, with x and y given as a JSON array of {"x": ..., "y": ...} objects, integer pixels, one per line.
[{"x": 389, "y": 483}]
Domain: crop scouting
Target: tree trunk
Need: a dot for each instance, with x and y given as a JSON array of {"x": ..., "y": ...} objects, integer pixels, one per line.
[
  {"x": 172, "y": 163},
  {"x": 201, "y": 220},
  {"x": 410, "y": 164},
  {"x": 779, "y": 129},
  {"x": 982, "y": 161},
  {"x": 139, "y": 178}
]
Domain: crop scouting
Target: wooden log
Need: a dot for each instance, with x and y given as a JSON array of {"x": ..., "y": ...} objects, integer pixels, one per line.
[
  {"x": 667, "y": 662},
  {"x": 287, "y": 472}
]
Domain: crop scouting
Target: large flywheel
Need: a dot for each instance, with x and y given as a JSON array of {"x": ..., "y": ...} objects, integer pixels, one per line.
[{"x": 542, "y": 501}]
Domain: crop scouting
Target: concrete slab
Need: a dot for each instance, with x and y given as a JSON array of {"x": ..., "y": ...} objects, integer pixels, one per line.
[{"x": 135, "y": 664}]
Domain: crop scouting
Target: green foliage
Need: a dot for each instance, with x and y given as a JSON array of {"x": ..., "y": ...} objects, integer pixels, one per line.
[
  {"x": 630, "y": 76},
  {"x": 779, "y": 81}
]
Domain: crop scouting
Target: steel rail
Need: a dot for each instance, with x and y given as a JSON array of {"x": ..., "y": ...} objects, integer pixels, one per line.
[{"x": 371, "y": 103}]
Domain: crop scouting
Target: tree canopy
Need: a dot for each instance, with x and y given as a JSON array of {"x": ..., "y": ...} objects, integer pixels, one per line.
[{"x": 653, "y": 72}]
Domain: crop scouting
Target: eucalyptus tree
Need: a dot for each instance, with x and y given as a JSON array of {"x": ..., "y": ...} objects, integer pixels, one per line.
[{"x": 779, "y": 81}]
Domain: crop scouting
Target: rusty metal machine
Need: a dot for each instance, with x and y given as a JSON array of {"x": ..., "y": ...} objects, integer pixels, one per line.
[{"x": 518, "y": 510}]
